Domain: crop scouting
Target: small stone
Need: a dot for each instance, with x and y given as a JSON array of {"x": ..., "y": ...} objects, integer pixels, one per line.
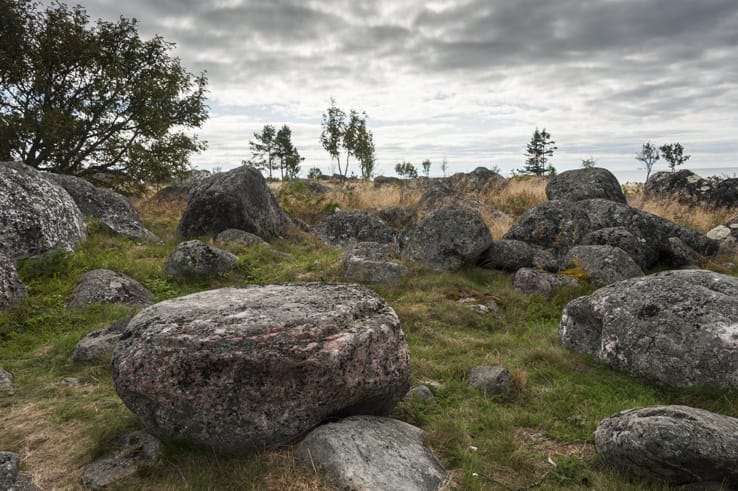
[
  {"x": 106, "y": 286},
  {"x": 492, "y": 380},
  {"x": 421, "y": 393},
  {"x": 197, "y": 259},
  {"x": 136, "y": 450}
]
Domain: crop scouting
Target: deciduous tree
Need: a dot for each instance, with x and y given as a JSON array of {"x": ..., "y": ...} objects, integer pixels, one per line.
[
  {"x": 673, "y": 153},
  {"x": 406, "y": 169},
  {"x": 648, "y": 156},
  {"x": 262, "y": 149}
]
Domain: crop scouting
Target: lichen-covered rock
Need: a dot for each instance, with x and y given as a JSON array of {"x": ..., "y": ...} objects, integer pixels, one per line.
[
  {"x": 133, "y": 452},
  {"x": 98, "y": 345},
  {"x": 236, "y": 236},
  {"x": 243, "y": 369},
  {"x": 106, "y": 286},
  {"x": 688, "y": 188},
  {"x": 398, "y": 217},
  {"x": 239, "y": 198},
  {"x": 12, "y": 289},
  {"x": 36, "y": 215},
  {"x": 676, "y": 444},
  {"x": 492, "y": 380},
  {"x": 115, "y": 211},
  {"x": 603, "y": 264},
  {"x": 532, "y": 281},
  {"x": 447, "y": 239},
  {"x": 511, "y": 255},
  {"x": 363, "y": 453},
  {"x": 374, "y": 251},
  {"x": 480, "y": 180},
  {"x": 11, "y": 478},
  {"x": 633, "y": 245},
  {"x": 677, "y": 328},
  {"x": 581, "y": 184},
  {"x": 343, "y": 229},
  {"x": 194, "y": 258},
  {"x": 360, "y": 270}
]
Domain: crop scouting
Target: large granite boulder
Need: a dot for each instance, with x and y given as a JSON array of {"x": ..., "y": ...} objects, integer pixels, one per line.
[
  {"x": 480, "y": 180},
  {"x": 372, "y": 453},
  {"x": 446, "y": 239},
  {"x": 12, "y": 289},
  {"x": 603, "y": 264},
  {"x": 243, "y": 369},
  {"x": 677, "y": 328},
  {"x": 688, "y": 188},
  {"x": 239, "y": 198},
  {"x": 581, "y": 184},
  {"x": 677, "y": 444},
  {"x": 633, "y": 245},
  {"x": 560, "y": 225},
  {"x": 343, "y": 229},
  {"x": 115, "y": 211},
  {"x": 106, "y": 286},
  {"x": 196, "y": 259},
  {"x": 36, "y": 215}
]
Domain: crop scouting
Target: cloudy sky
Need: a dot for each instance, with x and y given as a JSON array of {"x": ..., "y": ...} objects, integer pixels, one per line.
[{"x": 468, "y": 80}]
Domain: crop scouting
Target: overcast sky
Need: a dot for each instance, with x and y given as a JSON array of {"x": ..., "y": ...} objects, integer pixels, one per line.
[{"x": 468, "y": 80}]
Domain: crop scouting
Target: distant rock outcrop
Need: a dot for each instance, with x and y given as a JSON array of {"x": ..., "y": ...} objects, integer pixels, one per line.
[
  {"x": 688, "y": 188},
  {"x": 581, "y": 184},
  {"x": 238, "y": 370},
  {"x": 36, "y": 215},
  {"x": 678, "y": 328}
]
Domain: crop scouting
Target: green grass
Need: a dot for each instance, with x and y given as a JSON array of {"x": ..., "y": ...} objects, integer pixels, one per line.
[{"x": 486, "y": 443}]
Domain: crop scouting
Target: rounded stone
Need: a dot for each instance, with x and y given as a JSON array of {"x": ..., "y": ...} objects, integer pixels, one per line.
[
  {"x": 106, "y": 286},
  {"x": 243, "y": 369},
  {"x": 492, "y": 380}
]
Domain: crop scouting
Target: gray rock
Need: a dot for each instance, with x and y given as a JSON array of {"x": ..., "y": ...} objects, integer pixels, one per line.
[
  {"x": 373, "y": 251},
  {"x": 480, "y": 180},
  {"x": 399, "y": 217},
  {"x": 115, "y": 211},
  {"x": 539, "y": 282},
  {"x": 581, "y": 184},
  {"x": 196, "y": 259},
  {"x": 364, "y": 453},
  {"x": 12, "y": 289},
  {"x": 6, "y": 382},
  {"x": 492, "y": 380},
  {"x": 676, "y": 328},
  {"x": 237, "y": 199},
  {"x": 233, "y": 235},
  {"x": 98, "y": 345},
  {"x": 440, "y": 196},
  {"x": 11, "y": 478},
  {"x": 106, "y": 286},
  {"x": 719, "y": 233},
  {"x": 243, "y": 369},
  {"x": 688, "y": 188},
  {"x": 134, "y": 451},
  {"x": 178, "y": 192},
  {"x": 633, "y": 245},
  {"x": 360, "y": 270},
  {"x": 447, "y": 239},
  {"x": 682, "y": 256},
  {"x": 603, "y": 264},
  {"x": 676, "y": 444},
  {"x": 480, "y": 306},
  {"x": 421, "y": 393},
  {"x": 511, "y": 255},
  {"x": 36, "y": 215},
  {"x": 343, "y": 229}
]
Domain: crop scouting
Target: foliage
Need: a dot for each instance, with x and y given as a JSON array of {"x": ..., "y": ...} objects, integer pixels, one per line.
[
  {"x": 289, "y": 157},
  {"x": 673, "y": 153},
  {"x": 406, "y": 169},
  {"x": 538, "y": 152},
  {"x": 351, "y": 136},
  {"x": 426, "y": 167},
  {"x": 314, "y": 173},
  {"x": 94, "y": 99},
  {"x": 263, "y": 149},
  {"x": 648, "y": 157},
  {"x": 589, "y": 163}
]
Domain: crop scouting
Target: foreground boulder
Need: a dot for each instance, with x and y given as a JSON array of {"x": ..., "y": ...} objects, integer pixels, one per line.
[
  {"x": 447, "y": 239},
  {"x": 106, "y": 286},
  {"x": 36, "y": 215},
  {"x": 343, "y": 229},
  {"x": 12, "y": 289},
  {"x": 603, "y": 264},
  {"x": 676, "y": 444},
  {"x": 11, "y": 478},
  {"x": 196, "y": 259},
  {"x": 235, "y": 236},
  {"x": 115, "y": 211},
  {"x": 243, "y": 369},
  {"x": 678, "y": 328},
  {"x": 237, "y": 199},
  {"x": 372, "y": 453},
  {"x": 581, "y": 184}
]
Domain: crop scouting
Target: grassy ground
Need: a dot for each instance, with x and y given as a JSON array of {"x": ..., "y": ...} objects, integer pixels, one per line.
[{"x": 540, "y": 436}]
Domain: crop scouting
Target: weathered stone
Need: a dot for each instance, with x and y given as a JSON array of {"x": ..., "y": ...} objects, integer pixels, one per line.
[
  {"x": 236, "y": 236},
  {"x": 682, "y": 256},
  {"x": 633, "y": 245},
  {"x": 237, "y": 199},
  {"x": 98, "y": 345},
  {"x": 511, "y": 255},
  {"x": 134, "y": 451},
  {"x": 676, "y": 444},
  {"x": 373, "y": 251},
  {"x": 106, "y": 286},
  {"x": 6, "y": 382},
  {"x": 688, "y": 188},
  {"x": 36, "y": 215},
  {"x": 364, "y": 453},
  {"x": 12, "y": 289},
  {"x": 539, "y": 282},
  {"x": 115, "y": 211},
  {"x": 719, "y": 233},
  {"x": 677, "y": 328},
  {"x": 399, "y": 217},
  {"x": 441, "y": 196},
  {"x": 242, "y": 369},
  {"x": 603, "y": 264},
  {"x": 421, "y": 393},
  {"x": 360, "y": 270},
  {"x": 447, "y": 239},
  {"x": 581, "y": 184},
  {"x": 11, "y": 478},
  {"x": 194, "y": 258},
  {"x": 343, "y": 229},
  {"x": 480, "y": 180},
  {"x": 492, "y": 380}
]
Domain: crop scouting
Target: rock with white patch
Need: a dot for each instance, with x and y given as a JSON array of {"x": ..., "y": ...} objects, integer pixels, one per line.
[
  {"x": 678, "y": 328},
  {"x": 106, "y": 286}
]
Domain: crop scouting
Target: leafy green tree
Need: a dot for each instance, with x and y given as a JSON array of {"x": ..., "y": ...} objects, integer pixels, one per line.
[
  {"x": 263, "y": 147},
  {"x": 333, "y": 129},
  {"x": 364, "y": 149},
  {"x": 289, "y": 157},
  {"x": 673, "y": 153},
  {"x": 426, "y": 167},
  {"x": 589, "y": 163},
  {"x": 538, "y": 152},
  {"x": 94, "y": 99},
  {"x": 314, "y": 173},
  {"x": 406, "y": 169},
  {"x": 648, "y": 157},
  {"x": 352, "y": 136}
]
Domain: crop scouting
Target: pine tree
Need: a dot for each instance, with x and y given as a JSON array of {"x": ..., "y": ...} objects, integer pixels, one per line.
[
  {"x": 262, "y": 149},
  {"x": 538, "y": 153}
]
